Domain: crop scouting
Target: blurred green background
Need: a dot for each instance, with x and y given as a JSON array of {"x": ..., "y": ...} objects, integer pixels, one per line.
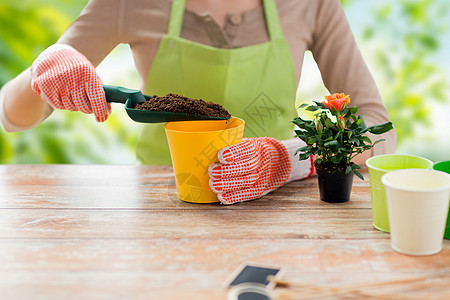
[{"x": 406, "y": 44}]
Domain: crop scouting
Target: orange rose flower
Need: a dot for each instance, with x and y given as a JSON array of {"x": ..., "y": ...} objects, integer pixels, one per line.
[{"x": 338, "y": 100}]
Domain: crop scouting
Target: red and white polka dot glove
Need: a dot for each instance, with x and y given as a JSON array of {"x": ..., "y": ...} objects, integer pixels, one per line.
[
  {"x": 66, "y": 79},
  {"x": 249, "y": 170}
]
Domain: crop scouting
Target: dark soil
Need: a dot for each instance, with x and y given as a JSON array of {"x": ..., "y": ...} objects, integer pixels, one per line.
[{"x": 181, "y": 104}]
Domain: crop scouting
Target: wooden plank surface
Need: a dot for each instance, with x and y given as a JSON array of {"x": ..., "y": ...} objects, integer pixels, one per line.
[{"x": 119, "y": 232}]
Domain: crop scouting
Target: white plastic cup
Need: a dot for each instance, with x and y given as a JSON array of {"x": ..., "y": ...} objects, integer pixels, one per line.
[{"x": 417, "y": 203}]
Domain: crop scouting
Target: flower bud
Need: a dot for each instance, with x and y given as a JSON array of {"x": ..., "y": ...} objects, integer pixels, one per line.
[
  {"x": 340, "y": 123},
  {"x": 319, "y": 127}
]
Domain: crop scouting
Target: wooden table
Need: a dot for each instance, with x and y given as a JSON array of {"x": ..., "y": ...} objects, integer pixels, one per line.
[{"x": 119, "y": 232}]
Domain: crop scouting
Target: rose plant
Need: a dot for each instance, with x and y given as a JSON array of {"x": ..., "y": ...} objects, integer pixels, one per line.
[{"x": 336, "y": 135}]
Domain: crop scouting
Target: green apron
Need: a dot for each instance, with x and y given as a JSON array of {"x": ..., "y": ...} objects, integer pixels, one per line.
[{"x": 256, "y": 83}]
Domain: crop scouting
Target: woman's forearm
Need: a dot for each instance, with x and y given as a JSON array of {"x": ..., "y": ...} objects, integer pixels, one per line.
[{"x": 22, "y": 107}]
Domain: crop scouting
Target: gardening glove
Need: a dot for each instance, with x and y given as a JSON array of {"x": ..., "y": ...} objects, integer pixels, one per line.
[
  {"x": 252, "y": 168},
  {"x": 66, "y": 79}
]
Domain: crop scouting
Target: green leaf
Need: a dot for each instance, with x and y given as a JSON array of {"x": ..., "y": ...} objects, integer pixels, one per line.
[
  {"x": 332, "y": 143},
  {"x": 353, "y": 109},
  {"x": 321, "y": 105},
  {"x": 304, "y": 156},
  {"x": 348, "y": 170},
  {"x": 380, "y": 128},
  {"x": 337, "y": 135},
  {"x": 346, "y": 114},
  {"x": 355, "y": 140},
  {"x": 366, "y": 139},
  {"x": 304, "y": 148},
  {"x": 299, "y": 132},
  {"x": 358, "y": 174},
  {"x": 335, "y": 160},
  {"x": 300, "y": 122},
  {"x": 361, "y": 123},
  {"x": 355, "y": 166},
  {"x": 311, "y": 141},
  {"x": 312, "y": 108}
]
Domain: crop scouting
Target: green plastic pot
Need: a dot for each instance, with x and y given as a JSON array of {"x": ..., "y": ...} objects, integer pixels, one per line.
[
  {"x": 380, "y": 165},
  {"x": 444, "y": 166}
]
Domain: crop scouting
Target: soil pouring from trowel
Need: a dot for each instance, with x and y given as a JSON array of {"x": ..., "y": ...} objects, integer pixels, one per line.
[{"x": 169, "y": 108}]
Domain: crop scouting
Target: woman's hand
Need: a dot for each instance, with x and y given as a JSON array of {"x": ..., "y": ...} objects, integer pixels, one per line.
[
  {"x": 66, "y": 79},
  {"x": 249, "y": 169}
]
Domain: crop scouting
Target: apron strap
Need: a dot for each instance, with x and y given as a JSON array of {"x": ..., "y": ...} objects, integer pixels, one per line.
[
  {"x": 270, "y": 12},
  {"x": 176, "y": 18},
  {"x": 272, "y": 20}
]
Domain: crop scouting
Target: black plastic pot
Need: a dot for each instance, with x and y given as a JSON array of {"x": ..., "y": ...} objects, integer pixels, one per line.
[{"x": 334, "y": 187}]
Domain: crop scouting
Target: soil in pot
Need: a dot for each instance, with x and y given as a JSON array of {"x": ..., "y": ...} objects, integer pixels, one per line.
[
  {"x": 334, "y": 185},
  {"x": 180, "y": 104}
]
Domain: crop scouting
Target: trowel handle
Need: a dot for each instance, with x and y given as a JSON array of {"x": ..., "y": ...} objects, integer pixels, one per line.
[{"x": 120, "y": 94}]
